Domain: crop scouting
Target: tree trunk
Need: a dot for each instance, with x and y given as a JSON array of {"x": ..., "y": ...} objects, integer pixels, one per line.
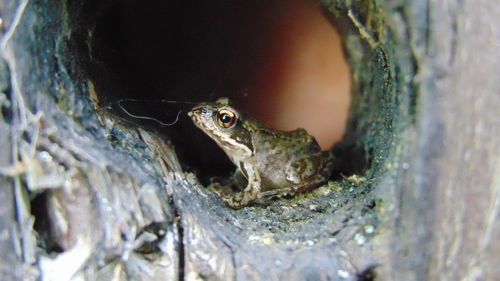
[{"x": 92, "y": 196}]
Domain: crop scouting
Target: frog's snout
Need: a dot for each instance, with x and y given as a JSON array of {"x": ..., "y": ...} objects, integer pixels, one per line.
[
  {"x": 199, "y": 111},
  {"x": 195, "y": 112}
]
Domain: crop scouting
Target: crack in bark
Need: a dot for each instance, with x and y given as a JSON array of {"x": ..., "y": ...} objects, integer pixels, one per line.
[{"x": 181, "y": 247}]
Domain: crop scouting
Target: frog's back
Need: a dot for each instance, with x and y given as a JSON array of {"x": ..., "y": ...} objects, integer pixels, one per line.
[
  {"x": 277, "y": 151},
  {"x": 297, "y": 141}
]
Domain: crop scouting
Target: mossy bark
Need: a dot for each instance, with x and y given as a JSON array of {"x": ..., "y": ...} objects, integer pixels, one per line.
[{"x": 89, "y": 195}]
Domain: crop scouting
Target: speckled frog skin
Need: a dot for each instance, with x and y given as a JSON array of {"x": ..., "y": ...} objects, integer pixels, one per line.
[{"x": 273, "y": 161}]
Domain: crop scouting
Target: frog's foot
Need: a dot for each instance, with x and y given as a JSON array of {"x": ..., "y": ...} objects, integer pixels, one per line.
[
  {"x": 220, "y": 189},
  {"x": 240, "y": 199},
  {"x": 226, "y": 185},
  {"x": 314, "y": 182},
  {"x": 277, "y": 193},
  {"x": 216, "y": 188},
  {"x": 311, "y": 183}
]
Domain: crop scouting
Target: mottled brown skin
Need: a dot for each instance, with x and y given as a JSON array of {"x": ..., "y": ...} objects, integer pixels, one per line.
[{"x": 273, "y": 161}]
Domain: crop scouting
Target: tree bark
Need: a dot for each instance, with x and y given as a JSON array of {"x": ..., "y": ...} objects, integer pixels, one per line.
[{"x": 90, "y": 196}]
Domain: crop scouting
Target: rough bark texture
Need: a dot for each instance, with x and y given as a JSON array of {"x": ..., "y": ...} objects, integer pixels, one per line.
[
  {"x": 89, "y": 196},
  {"x": 467, "y": 186}
]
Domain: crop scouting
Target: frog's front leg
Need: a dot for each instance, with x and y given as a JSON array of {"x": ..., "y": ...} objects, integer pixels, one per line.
[{"x": 250, "y": 193}]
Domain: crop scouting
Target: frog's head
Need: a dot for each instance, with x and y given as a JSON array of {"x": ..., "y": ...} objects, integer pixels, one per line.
[{"x": 221, "y": 122}]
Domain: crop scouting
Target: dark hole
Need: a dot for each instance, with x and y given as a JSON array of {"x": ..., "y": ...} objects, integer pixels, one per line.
[
  {"x": 5, "y": 107},
  {"x": 157, "y": 229},
  {"x": 39, "y": 210},
  {"x": 368, "y": 274},
  {"x": 5, "y": 92},
  {"x": 183, "y": 51}
]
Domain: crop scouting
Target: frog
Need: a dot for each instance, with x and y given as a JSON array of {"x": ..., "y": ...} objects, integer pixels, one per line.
[{"x": 273, "y": 162}]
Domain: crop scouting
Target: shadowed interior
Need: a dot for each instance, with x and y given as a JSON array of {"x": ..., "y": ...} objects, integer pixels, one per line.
[{"x": 279, "y": 61}]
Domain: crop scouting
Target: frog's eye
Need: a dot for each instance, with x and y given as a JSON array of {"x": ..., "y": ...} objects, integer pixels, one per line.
[{"x": 226, "y": 118}]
